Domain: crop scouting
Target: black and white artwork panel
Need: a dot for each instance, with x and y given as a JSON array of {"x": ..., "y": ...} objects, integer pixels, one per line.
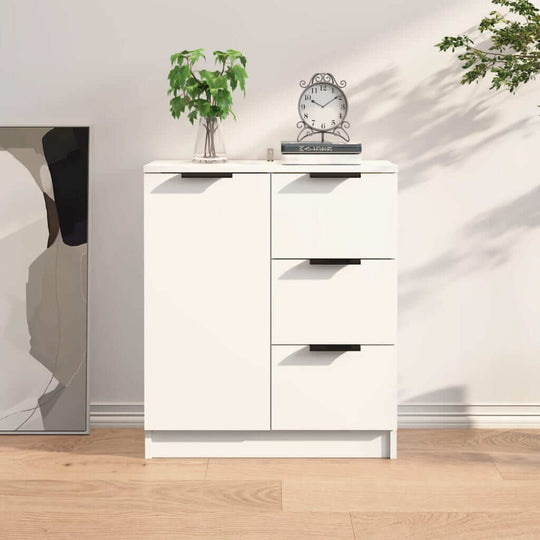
[{"x": 43, "y": 278}]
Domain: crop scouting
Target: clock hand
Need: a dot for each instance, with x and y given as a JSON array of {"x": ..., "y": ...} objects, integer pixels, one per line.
[
  {"x": 313, "y": 101},
  {"x": 323, "y": 106}
]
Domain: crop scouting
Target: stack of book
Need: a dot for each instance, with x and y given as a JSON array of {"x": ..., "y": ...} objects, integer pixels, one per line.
[{"x": 313, "y": 153}]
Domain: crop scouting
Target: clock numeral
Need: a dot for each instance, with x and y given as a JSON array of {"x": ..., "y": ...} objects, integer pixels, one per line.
[
  {"x": 340, "y": 115},
  {"x": 323, "y": 87},
  {"x": 333, "y": 122},
  {"x": 313, "y": 122},
  {"x": 307, "y": 98},
  {"x": 305, "y": 115},
  {"x": 313, "y": 90},
  {"x": 323, "y": 126},
  {"x": 343, "y": 105},
  {"x": 302, "y": 106},
  {"x": 339, "y": 98}
]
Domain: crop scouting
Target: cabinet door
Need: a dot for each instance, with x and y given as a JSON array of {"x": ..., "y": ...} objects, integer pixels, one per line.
[
  {"x": 334, "y": 217},
  {"x": 207, "y": 302}
]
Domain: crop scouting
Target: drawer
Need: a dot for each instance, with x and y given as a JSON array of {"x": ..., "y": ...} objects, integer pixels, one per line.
[
  {"x": 342, "y": 303},
  {"x": 333, "y": 390},
  {"x": 334, "y": 217}
]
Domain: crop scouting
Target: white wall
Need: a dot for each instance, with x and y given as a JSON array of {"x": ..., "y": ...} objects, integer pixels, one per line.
[{"x": 469, "y": 190}]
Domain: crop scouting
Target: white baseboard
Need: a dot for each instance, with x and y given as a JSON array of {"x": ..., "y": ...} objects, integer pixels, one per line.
[
  {"x": 410, "y": 415},
  {"x": 117, "y": 415},
  {"x": 459, "y": 415}
]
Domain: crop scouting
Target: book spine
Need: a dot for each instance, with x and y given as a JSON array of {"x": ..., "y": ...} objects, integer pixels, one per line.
[{"x": 320, "y": 148}]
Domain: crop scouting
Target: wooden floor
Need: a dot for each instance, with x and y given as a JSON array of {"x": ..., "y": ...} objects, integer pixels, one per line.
[{"x": 445, "y": 484}]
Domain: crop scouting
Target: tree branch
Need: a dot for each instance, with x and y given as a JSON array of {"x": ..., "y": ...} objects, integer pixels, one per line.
[{"x": 505, "y": 55}]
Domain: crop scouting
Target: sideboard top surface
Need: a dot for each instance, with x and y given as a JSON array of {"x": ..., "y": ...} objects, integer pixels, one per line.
[{"x": 260, "y": 166}]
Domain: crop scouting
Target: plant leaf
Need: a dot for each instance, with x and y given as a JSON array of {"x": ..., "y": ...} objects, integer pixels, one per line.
[
  {"x": 192, "y": 115},
  {"x": 195, "y": 55},
  {"x": 178, "y": 76},
  {"x": 178, "y": 106},
  {"x": 240, "y": 75}
]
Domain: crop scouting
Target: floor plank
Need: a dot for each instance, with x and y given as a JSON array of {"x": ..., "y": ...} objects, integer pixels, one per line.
[
  {"x": 160, "y": 526},
  {"x": 436, "y": 526},
  {"x": 518, "y": 466},
  {"x": 80, "y": 468},
  {"x": 409, "y": 466},
  {"x": 411, "y": 496},
  {"x": 470, "y": 440},
  {"x": 121, "y": 496},
  {"x": 117, "y": 442},
  {"x": 107, "y": 454}
]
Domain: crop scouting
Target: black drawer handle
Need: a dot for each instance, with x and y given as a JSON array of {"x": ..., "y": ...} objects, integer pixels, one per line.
[
  {"x": 335, "y": 175},
  {"x": 207, "y": 175},
  {"x": 339, "y": 262},
  {"x": 334, "y": 348}
]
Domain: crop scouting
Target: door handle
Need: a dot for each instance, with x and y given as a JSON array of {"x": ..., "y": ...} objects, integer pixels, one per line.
[
  {"x": 334, "y": 348},
  {"x": 335, "y": 175},
  {"x": 339, "y": 262},
  {"x": 207, "y": 175}
]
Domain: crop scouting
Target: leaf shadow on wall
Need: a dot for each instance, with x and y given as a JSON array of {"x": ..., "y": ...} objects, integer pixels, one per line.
[
  {"x": 486, "y": 242},
  {"x": 426, "y": 129}
]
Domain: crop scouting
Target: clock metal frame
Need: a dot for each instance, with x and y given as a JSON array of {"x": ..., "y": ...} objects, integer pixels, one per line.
[{"x": 341, "y": 129}]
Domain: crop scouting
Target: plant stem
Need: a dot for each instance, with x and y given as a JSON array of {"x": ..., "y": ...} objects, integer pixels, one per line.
[
  {"x": 214, "y": 127},
  {"x": 210, "y": 125},
  {"x": 206, "y": 139}
]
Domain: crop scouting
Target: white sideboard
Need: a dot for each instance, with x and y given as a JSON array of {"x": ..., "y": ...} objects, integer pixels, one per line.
[{"x": 270, "y": 309}]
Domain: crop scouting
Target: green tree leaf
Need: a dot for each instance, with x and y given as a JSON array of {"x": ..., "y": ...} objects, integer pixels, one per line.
[{"x": 513, "y": 57}]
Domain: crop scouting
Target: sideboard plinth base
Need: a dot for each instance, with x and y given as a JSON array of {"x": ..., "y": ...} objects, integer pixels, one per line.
[{"x": 270, "y": 444}]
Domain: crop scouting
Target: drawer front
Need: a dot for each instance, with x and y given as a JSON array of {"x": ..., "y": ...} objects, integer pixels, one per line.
[
  {"x": 333, "y": 390},
  {"x": 334, "y": 217},
  {"x": 318, "y": 303}
]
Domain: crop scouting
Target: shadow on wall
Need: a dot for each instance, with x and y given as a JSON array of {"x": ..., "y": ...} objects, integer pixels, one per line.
[
  {"x": 430, "y": 406},
  {"x": 448, "y": 394},
  {"x": 482, "y": 244},
  {"x": 426, "y": 129}
]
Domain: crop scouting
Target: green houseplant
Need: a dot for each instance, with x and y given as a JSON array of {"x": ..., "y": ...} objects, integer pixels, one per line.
[
  {"x": 206, "y": 95},
  {"x": 512, "y": 53}
]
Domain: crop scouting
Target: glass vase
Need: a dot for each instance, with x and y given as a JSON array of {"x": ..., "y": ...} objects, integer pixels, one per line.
[{"x": 209, "y": 145}]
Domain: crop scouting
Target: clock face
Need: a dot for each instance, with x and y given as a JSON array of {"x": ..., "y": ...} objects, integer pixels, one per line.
[{"x": 322, "y": 106}]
